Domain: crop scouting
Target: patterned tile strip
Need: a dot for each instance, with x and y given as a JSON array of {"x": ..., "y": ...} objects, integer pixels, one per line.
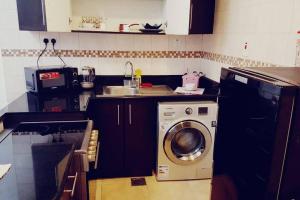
[{"x": 224, "y": 59}]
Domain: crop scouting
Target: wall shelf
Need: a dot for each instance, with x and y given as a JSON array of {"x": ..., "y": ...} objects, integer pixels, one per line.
[{"x": 118, "y": 32}]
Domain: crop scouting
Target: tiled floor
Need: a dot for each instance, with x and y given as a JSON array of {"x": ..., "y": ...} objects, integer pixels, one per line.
[{"x": 121, "y": 189}]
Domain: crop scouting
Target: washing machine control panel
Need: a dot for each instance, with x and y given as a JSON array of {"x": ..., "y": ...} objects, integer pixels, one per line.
[
  {"x": 189, "y": 111},
  {"x": 202, "y": 110}
]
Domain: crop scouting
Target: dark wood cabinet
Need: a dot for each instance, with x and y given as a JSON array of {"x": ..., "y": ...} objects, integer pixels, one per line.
[
  {"x": 44, "y": 15},
  {"x": 31, "y": 15},
  {"x": 202, "y": 16},
  {"x": 109, "y": 121},
  {"x": 127, "y": 131},
  {"x": 140, "y": 130}
]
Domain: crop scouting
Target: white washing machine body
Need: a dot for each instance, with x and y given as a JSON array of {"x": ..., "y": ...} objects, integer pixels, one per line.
[{"x": 186, "y": 133}]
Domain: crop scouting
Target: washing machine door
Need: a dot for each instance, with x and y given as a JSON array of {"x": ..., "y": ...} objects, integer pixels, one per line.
[{"x": 187, "y": 142}]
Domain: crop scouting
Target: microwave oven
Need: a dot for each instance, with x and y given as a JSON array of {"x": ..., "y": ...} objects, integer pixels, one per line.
[{"x": 51, "y": 79}]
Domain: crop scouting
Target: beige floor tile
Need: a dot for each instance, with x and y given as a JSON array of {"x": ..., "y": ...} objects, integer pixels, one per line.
[
  {"x": 121, "y": 189},
  {"x": 95, "y": 190},
  {"x": 98, "y": 195},
  {"x": 181, "y": 190},
  {"x": 115, "y": 181},
  {"x": 92, "y": 189}
]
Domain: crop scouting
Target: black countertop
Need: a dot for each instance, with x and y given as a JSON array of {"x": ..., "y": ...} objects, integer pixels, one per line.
[
  {"x": 71, "y": 106},
  {"x": 38, "y": 171},
  {"x": 49, "y": 103}
]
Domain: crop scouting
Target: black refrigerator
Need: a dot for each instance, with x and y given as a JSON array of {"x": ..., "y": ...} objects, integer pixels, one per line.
[{"x": 257, "y": 147}]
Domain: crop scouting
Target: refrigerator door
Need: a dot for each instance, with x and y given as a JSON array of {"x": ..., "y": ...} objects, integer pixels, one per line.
[{"x": 253, "y": 127}]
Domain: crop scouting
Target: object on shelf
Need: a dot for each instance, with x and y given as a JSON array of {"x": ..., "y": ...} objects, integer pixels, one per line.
[
  {"x": 151, "y": 30},
  {"x": 154, "y": 26},
  {"x": 90, "y": 22},
  {"x": 126, "y": 27}
]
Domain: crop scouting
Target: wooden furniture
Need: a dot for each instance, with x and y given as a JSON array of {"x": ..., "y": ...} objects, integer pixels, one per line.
[
  {"x": 127, "y": 129},
  {"x": 178, "y": 17}
]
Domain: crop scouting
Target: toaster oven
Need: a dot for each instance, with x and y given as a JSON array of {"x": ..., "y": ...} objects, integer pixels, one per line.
[{"x": 51, "y": 79}]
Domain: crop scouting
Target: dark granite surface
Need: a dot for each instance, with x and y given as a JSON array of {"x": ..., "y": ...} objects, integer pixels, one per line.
[
  {"x": 77, "y": 102},
  {"x": 49, "y": 103},
  {"x": 38, "y": 170}
]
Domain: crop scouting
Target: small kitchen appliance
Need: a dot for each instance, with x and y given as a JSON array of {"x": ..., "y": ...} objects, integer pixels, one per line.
[
  {"x": 43, "y": 80},
  {"x": 88, "y": 77},
  {"x": 190, "y": 81}
]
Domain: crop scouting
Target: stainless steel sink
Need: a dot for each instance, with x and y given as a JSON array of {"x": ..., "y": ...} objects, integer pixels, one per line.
[
  {"x": 119, "y": 90},
  {"x": 155, "y": 90}
]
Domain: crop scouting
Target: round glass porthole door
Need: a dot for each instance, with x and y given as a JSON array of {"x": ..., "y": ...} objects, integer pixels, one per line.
[{"x": 187, "y": 142}]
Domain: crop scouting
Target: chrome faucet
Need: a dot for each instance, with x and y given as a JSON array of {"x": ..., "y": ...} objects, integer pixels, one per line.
[
  {"x": 127, "y": 82},
  {"x": 131, "y": 68}
]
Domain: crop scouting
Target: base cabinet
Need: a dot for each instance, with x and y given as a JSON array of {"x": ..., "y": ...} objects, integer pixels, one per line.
[
  {"x": 139, "y": 132},
  {"x": 108, "y": 115},
  {"x": 126, "y": 136}
]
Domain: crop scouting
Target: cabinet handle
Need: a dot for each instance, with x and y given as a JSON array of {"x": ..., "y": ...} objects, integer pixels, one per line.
[
  {"x": 43, "y": 12},
  {"x": 118, "y": 115},
  {"x": 73, "y": 186},
  {"x": 97, "y": 155},
  {"x": 191, "y": 16},
  {"x": 130, "y": 114},
  {"x": 33, "y": 82}
]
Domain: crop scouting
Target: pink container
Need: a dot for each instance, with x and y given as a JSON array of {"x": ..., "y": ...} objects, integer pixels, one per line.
[{"x": 191, "y": 78}]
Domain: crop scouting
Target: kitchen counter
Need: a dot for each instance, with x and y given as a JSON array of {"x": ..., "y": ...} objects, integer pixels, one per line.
[
  {"x": 73, "y": 106},
  {"x": 31, "y": 176},
  {"x": 42, "y": 107},
  {"x": 35, "y": 103}
]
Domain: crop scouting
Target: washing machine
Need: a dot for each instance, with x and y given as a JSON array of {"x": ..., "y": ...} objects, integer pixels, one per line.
[{"x": 186, "y": 132}]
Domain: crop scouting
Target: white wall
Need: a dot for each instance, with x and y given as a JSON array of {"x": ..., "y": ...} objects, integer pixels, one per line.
[
  {"x": 130, "y": 11},
  {"x": 13, "y": 67},
  {"x": 3, "y": 100},
  {"x": 269, "y": 27}
]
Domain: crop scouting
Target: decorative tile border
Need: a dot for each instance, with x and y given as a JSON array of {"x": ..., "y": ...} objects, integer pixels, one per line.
[
  {"x": 101, "y": 53},
  {"x": 229, "y": 60}
]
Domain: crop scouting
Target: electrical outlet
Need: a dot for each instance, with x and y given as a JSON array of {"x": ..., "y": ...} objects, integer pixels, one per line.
[
  {"x": 45, "y": 41},
  {"x": 53, "y": 41}
]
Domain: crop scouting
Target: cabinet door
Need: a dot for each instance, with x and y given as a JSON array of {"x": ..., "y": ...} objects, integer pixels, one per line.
[
  {"x": 58, "y": 15},
  {"x": 177, "y": 16},
  {"x": 109, "y": 121},
  {"x": 140, "y": 134},
  {"x": 202, "y": 16},
  {"x": 31, "y": 15}
]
